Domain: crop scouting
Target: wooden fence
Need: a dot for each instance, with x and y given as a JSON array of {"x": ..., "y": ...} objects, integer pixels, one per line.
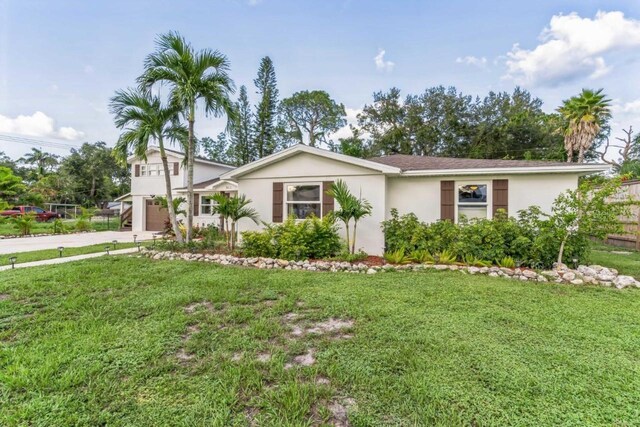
[{"x": 630, "y": 238}]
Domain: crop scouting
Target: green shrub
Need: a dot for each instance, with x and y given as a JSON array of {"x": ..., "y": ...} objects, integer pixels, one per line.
[
  {"x": 83, "y": 224},
  {"x": 57, "y": 227},
  {"x": 346, "y": 256},
  {"x": 313, "y": 238},
  {"x": 258, "y": 244}
]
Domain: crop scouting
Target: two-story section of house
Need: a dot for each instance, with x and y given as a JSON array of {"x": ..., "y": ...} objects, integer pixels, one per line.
[{"x": 148, "y": 182}]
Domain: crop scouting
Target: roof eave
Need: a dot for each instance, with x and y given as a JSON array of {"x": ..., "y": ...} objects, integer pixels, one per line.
[
  {"x": 581, "y": 170},
  {"x": 300, "y": 148}
]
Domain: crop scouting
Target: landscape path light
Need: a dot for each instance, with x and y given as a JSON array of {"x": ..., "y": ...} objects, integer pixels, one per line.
[
  {"x": 106, "y": 249},
  {"x": 13, "y": 260},
  {"x": 60, "y": 249}
]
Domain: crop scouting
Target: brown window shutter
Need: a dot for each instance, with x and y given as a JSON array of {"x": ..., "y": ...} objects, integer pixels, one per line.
[
  {"x": 500, "y": 195},
  {"x": 176, "y": 168},
  {"x": 447, "y": 200},
  {"x": 136, "y": 169},
  {"x": 196, "y": 204},
  {"x": 327, "y": 200},
  {"x": 278, "y": 201}
]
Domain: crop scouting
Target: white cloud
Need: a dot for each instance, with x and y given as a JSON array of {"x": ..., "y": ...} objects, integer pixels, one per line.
[
  {"x": 39, "y": 125},
  {"x": 472, "y": 60},
  {"x": 573, "y": 47},
  {"x": 381, "y": 64}
]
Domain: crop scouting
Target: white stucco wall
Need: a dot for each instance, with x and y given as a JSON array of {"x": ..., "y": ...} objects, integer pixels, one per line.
[
  {"x": 306, "y": 168},
  {"x": 421, "y": 195}
]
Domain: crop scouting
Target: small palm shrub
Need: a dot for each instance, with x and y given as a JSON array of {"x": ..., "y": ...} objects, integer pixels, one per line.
[
  {"x": 24, "y": 223},
  {"x": 445, "y": 257},
  {"x": 506, "y": 262},
  {"x": 57, "y": 227},
  {"x": 396, "y": 257},
  {"x": 421, "y": 256},
  {"x": 471, "y": 260}
]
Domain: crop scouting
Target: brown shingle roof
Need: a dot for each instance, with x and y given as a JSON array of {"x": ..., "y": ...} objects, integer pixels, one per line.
[{"x": 407, "y": 163}]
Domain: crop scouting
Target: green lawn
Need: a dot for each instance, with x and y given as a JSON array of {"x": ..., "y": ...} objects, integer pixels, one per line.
[
  {"x": 22, "y": 257},
  {"x": 625, "y": 263},
  {"x": 7, "y": 229},
  {"x": 128, "y": 341}
]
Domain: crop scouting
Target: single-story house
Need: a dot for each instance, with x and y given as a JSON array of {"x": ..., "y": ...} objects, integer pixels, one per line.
[{"x": 294, "y": 181}]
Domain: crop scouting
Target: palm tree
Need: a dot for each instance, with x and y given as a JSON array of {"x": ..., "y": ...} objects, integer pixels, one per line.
[
  {"x": 585, "y": 114},
  {"x": 351, "y": 208},
  {"x": 192, "y": 77},
  {"x": 41, "y": 160},
  {"x": 142, "y": 117},
  {"x": 233, "y": 209}
]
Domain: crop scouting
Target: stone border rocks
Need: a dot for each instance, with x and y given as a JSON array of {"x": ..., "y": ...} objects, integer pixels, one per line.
[{"x": 583, "y": 275}]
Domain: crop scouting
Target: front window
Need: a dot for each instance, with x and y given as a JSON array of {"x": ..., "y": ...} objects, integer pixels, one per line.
[
  {"x": 206, "y": 204},
  {"x": 303, "y": 200},
  {"x": 151, "y": 169},
  {"x": 472, "y": 201}
]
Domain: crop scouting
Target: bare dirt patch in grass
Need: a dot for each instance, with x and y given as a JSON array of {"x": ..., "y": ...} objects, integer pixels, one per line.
[
  {"x": 339, "y": 411},
  {"x": 4, "y": 297},
  {"x": 183, "y": 356},
  {"x": 196, "y": 306},
  {"x": 263, "y": 357},
  {"x": 306, "y": 359}
]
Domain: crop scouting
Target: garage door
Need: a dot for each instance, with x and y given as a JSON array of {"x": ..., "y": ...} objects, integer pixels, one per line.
[{"x": 155, "y": 217}]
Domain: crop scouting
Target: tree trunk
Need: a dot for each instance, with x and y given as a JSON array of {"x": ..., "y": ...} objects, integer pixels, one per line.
[
  {"x": 561, "y": 251},
  {"x": 167, "y": 181},
  {"x": 346, "y": 228},
  {"x": 190, "y": 158},
  {"x": 581, "y": 154},
  {"x": 233, "y": 235},
  {"x": 353, "y": 241}
]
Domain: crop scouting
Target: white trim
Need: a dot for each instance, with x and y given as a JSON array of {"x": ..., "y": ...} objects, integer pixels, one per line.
[
  {"x": 300, "y": 148},
  {"x": 179, "y": 155},
  {"x": 212, "y": 187},
  {"x": 486, "y": 205},
  {"x": 582, "y": 169},
  {"x": 286, "y": 202}
]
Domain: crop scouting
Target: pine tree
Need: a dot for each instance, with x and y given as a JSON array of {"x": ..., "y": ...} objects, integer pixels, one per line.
[
  {"x": 241, "y": 148},
  {"x": 266, "y": 110}
]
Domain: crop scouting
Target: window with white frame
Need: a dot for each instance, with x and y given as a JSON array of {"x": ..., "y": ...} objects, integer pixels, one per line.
[
  {"x": 472, "y": 201},
  {"x": 303, "y": 200},
  {"x": 151, "y": 169},
  {"x": 206, "y": 204}
]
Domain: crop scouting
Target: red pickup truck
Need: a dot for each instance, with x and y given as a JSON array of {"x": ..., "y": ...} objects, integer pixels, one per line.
[{"x": 41, "y": 214}]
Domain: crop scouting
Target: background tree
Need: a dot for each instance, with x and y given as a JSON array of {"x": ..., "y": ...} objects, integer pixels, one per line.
[
  {"x": 311, "y": 116},
  {"x": 353, "y": 145},
  {"x": 241, "y": 146},
  {"x": 142, "y": 118},
  {"x": 10, "y": 185},
  {"x": 98, "y": 176},
  {"x": 193, "y": 77},
  {"x": 215, "y": 149},
  {"x": 628, "y": 151},
  {"x": 586, "y": 114},
  {"x": 385, "y": 122},
  {"x": 41, "y": 161},
  {"x": 264, "y": 129}
]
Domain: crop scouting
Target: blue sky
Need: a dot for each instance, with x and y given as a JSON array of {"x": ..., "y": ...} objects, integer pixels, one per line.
[{"x": 60, "y": 61}]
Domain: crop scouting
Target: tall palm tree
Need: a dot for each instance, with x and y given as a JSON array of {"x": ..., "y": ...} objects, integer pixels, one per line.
[
  {"x": 142, "y": 117},
  {"x": 585, "y": 114},
  {"x": 41, "y": 160},
  {"x": 193, "y": 77}
]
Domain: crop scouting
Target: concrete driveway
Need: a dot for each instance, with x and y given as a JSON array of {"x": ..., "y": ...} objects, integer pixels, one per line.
[{"x": 26, "y": 244}]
